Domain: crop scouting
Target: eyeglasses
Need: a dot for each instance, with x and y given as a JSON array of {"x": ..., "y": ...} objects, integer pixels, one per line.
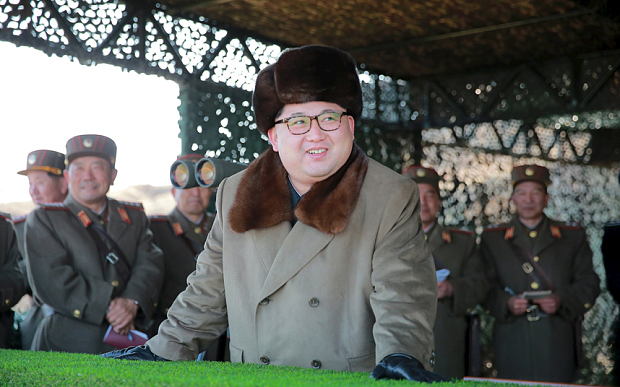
[{"x": 328, "y": 121}]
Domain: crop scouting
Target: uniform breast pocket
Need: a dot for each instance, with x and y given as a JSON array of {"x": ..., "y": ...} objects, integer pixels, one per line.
[{"x": 236, "y": 354}]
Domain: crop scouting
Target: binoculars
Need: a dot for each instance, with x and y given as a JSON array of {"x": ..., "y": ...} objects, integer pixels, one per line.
[{"x": 207, "y": 172}]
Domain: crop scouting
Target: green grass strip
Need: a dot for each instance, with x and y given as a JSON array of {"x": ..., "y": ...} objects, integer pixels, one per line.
[{"x": 25, "y": 368}]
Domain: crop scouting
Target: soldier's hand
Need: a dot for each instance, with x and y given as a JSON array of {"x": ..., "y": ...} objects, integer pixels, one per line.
[
  {"x": 399, "y": 366},
  {"x": 121, "y": 313},
  {"x": 549, "y": 305},
  {"x": 517, "y": 305},
  {"x": 444, "y": 289}
]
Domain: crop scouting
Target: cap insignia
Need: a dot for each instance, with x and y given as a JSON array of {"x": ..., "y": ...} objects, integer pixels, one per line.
[
  {"x": 87, "y": 142},
  {"x": 32, "y": 159},
  {"x": 529, "y": 171},
  {"x": 420, "y": 172}
]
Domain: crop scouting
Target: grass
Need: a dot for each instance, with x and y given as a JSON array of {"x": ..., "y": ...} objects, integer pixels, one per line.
[{"x": 24, "y": 368}]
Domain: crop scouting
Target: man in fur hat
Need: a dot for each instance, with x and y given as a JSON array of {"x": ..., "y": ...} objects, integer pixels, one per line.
[{"x": 317, "y": 256}]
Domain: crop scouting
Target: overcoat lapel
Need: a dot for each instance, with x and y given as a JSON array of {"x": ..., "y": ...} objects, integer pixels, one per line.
[
  {"x": 268, "y": 242},
  {"x": 544, "y": 239},
  {"x": 520, "y": 238},
  {"x": 435, "y": 238},
  {"x": 116, "y": 227},
  {"x": 301, "y": 245}
]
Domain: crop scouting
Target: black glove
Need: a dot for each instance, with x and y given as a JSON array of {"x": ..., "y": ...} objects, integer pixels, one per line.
[
  {"x": 133, "y": 353},
  {"x": 399, "y": 366}
]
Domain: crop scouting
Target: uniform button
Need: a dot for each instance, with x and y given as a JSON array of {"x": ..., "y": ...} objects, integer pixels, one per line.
[
  {"x": 587, "y": 305},
  {"x": 264, "y": 301},
  {"x": 166, "y": 311},
  {"x": 115, "y": 283},
  {"x": 534, "y": 285},
  {"x": 425, "y": 237},
  {"x": 536, "y": 259},
  {"x": 316, "y": 364},
  {"x": 468, "y": 310},
  {"x": 197, "y": 230},
  {"x": 7, "y": 301},
  {"x": 155, "y": 305},
  {"x": 264, "y": 360},
  {"x": 314, "y": 302},
  {"x": 533, "y": 234},
  {"x": 77, "y": 313}
]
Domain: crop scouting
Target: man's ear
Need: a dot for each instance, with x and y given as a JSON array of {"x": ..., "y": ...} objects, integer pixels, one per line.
[
  {"x": 351, "y": 123},
  {"x": 273, "y": 138},
  {"x": 114, "y": 172},
  {"x": 64, "y": 184}
]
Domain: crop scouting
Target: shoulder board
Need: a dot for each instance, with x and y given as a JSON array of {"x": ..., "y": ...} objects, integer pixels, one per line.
[
  {"x": 570, "y": 226},
  {"x": 132, "y": 206},
  {"x": 158, "y": 218},
  {"x": 53, "y": 207},
  {"x": 494, "y": 228},
  {"x": 613, "y": 223},
  {"x": 20, "y": 219},
  {"x": 5, "y": 216},
  {"x": 461, "y": 231}
]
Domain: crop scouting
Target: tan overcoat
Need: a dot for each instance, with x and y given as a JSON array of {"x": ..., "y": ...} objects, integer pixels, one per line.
[
  {"x": 297, "y": 296},
  {"x": 67, "y": 273}
]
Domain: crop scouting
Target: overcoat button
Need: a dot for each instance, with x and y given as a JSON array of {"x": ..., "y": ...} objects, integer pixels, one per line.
[
  {"x": 264, "y": 301},
  {"x": 115, "y": 283},
  {"x": 587, "y": 305},
  {"x": 316, "y": 364},
  {"x": 536, "y": 259},
  {"x": 264, "y": 360},
  {"x": 314, "y": 302},
  {"x": 77, "y": 313}
]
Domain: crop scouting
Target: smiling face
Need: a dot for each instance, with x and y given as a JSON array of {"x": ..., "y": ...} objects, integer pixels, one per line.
[
  {"x": 316, "y": 155},
  {"x": 90, "y": 179},
  {"x": 530, "y": 198}
]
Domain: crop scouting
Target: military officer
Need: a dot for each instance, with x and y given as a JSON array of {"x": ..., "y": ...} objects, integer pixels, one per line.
[
  {"x": 12, "y": 286},
  {"x": 466, "y": 285},
  {"x": 44, "y": 170},
  {"x": 91, "y": 260},
  {"x": 181, "y": 235},
  {"x": 542, "y": 283},
  {"x": 317, "y": 256}
]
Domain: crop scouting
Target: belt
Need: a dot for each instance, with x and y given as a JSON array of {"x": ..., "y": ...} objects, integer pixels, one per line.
[{"x": 534, "y": 314}]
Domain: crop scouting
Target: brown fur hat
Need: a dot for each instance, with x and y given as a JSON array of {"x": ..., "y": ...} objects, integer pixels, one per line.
[{"x": 307, "y": 74}]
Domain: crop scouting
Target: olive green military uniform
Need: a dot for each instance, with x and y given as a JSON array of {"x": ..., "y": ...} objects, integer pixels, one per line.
[
  {"x": 456, "y": 251},
  {"x": 69, "y": 275},
  {"x": 12, "y": 286},
  {"x": 181, "y": 240},
  {"x": 537, "y": 346}
]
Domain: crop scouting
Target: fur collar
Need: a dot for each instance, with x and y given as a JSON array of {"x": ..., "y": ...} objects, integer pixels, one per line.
[{"x": 264, "y": 200}]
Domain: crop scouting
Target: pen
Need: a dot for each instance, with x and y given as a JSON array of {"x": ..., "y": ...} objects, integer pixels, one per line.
[
  {"x": 129, "y": 334},
  {"x": 512, "y": 292}
]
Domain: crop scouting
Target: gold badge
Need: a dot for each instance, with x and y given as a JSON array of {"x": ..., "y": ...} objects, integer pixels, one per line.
[
  {"x": 87, "y": 142},
  {"x": 529, "y": 171},
  {"x": 533, "y": 234},
  {"x": 534, "y": 285},
  {"x": 420, "y": 172},
  {"x": 32, "y": 159},
  {"x": 197, "y": 230}
]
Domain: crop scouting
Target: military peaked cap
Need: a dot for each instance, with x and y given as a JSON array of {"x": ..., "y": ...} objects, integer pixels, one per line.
[
  {"x": 91, "y": 145},
  {"x": 46, "y": 161},
  {"x": 423, "y": 175},
  {"x": 531, "y": 172}
]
